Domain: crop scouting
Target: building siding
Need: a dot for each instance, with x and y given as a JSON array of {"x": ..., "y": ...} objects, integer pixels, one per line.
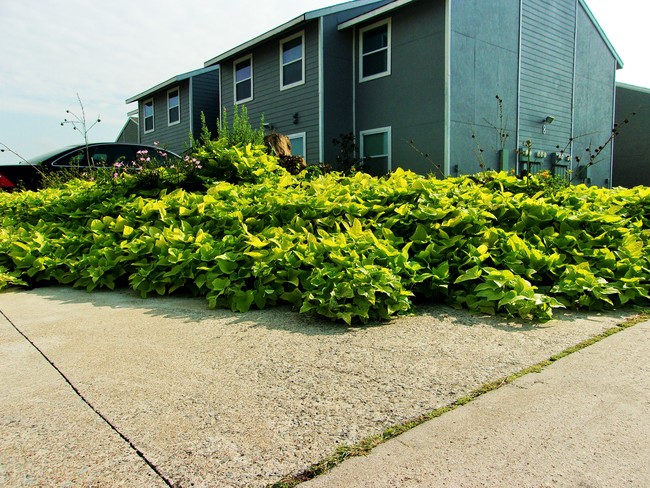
[
  {"x": 594, "y": 103},
  {"x": 279, "y": 106},
  {"x": 547, "y": 75},
  {"x": 411, "y": 99},
  {"x": 632, "y": 145},
  {"x": 173, "y": 137},
  {"x": 484, "y": 65},
  {"x": 451, "y": 61},
  {"x": 205, "y": 99}
]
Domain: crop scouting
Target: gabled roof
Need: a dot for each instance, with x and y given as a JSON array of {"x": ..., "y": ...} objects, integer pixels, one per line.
[
  {"x": 171, "y": 81},
  {"x": 400, "y": 3},
  {"x": 314, "y": 14}
]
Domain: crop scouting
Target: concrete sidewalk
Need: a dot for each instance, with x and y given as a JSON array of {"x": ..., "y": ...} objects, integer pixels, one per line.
[
  {"x": 583, "y": 421},
  {"x": 106, "y": 389}
]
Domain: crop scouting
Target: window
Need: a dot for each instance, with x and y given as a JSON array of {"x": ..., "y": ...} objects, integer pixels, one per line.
[
  {"x": 298, "y": 146},
  {"x": 375, "y": 150},
  {"x": 374, "y": 51},
  {"x": 148, "y": 115},
  {"x": 292, "y": 64},
  {"x": 244, "y": 79},
  {"x": 173, "y": 107}
]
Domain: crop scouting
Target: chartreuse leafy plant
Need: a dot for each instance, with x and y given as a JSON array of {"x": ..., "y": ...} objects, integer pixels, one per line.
[{"x": 351, "y": 248}]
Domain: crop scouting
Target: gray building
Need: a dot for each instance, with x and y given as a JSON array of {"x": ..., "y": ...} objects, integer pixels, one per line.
[
  {"x": 436, "y": 86},
  {"x": 170, "y": 112},
  {"x": 130, "y": 132},
  {"x": 632, "y": 144}
]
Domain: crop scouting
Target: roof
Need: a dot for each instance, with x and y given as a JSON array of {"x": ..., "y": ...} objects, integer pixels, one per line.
[
  {"x": 374, "y": 13},
  {"x": 400, "y": 3},
  {"x": 171, "y": 81},
  {"x": 314, "y": 14},
  {"x": 626, "y": 86}
]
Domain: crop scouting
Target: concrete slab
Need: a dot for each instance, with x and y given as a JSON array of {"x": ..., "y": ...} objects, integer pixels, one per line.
[
  {"x": 49, "y": 436},
  {"x": 583, "y": 421},
  {"x": 214, "y": 398}
]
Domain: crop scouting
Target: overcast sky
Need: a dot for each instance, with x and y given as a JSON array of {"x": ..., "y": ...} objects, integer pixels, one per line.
[{"x": 107, "y": 51}]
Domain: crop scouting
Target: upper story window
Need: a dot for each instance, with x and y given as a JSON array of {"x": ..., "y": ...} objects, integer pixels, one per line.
[
  {"x": 147, "y": 108},
  {"x": 243, "y": 79},
  {"x": 173, "y": 106},
  {"x": 374, "y": 51},
  {"x": 292, "y": 61}
]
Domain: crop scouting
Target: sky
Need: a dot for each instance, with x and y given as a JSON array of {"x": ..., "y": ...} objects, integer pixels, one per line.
[{"x": 53, "y": 53}]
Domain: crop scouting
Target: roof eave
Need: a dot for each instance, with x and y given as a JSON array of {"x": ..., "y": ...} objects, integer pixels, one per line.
[
  {"x": 373, "y": 13},
  {"x": 627, "y": 86},
  {"x": 267, "y": 35},
  {"x": 313, "y": 14},
  {"x": 171, "y": 81}
]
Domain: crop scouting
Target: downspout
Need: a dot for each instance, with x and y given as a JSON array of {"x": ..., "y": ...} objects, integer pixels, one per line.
[
  {"x": 521, "y": 35},
  {"x": 611, "y": 159},
  {"x": 447, "y": 115},
  {"x": 191, "y": 115},
  {"x": 354, "y": 86},
  {"x": 321, "y": 94},
  {"x": 573, "y": 88}
]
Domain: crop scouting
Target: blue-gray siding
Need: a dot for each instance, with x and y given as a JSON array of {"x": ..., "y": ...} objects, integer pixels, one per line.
[
  {"x": 279, "y": 106},
  {"x": 411, "y": 100},
  {"x": 547, "y": 72},
  {"x": 484, "y": 63},
  {"x": 594, "y": 103},
  {"x": 632, "y": 145},
  {"x": 205, "y": 99},
  {"x": 173, "y": 137}
]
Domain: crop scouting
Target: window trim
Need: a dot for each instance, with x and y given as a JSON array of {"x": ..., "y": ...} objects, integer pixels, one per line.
[
  {"x": 300, "y": 34},
  {"x": 178, "y": 91},
  {"x": 299, "y": 135},
  {"x": 234, "y": 79},
  {"x": 380, "y": 130},
  {"x": 388, "y": 49},
  {"x": 144, "y": 116}
]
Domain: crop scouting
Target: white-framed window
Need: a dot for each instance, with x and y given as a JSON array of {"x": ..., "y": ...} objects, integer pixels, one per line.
[
  {"x": 173, "y": 106},
  {"x": 243, "y": 79},
  {"x": 376, "y": 150},
  {"x": 147, "y": 108},
  {"x": 298, "y": 144},
  {"x": 292, "y": 61},
  {"x": 374, "y": 51}
]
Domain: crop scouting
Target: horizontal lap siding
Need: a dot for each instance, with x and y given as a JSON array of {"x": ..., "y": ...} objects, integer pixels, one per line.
[
  {"x": 547, "y": 72},
  {"x": 173, "y": 137},
  {"x": 279, "y": 106},
  {"x": 205, "y": 99}
]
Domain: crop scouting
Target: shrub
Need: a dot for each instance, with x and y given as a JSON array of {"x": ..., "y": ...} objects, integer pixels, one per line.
[{"x": 352, "y": 248}]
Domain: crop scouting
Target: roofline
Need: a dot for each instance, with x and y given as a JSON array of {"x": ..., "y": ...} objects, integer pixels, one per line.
[
  {"x": 313, "y": 14},
  {"x": 171, "y": 81},
  {"x": 400, "y": 3},
  {"x": 590, "y": 14},
  {"x": 627, "y": 86},
  {"x": 374, "y": 13},
  {"x": 267, "y": 35}
]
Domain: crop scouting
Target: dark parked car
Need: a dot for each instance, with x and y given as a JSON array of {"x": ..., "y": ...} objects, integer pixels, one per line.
[{"x": 28, "y": 174}]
